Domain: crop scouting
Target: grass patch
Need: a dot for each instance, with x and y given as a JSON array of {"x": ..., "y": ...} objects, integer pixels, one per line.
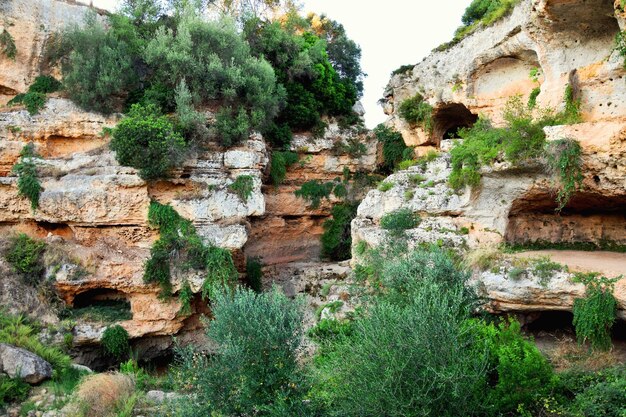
[
  {"x": 243, "y": 187},
  {"x": 105, "y": 311},
  {"x": 385, "y": 186},
  {"x": 603, "y": 245}
]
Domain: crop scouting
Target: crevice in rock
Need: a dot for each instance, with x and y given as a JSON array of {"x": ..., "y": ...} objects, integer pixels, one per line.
[{"x": 448, "y": 119}]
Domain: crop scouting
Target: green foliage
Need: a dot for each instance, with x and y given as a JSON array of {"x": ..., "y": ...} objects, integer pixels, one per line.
[
  {"x": 8, "y": 44},
  {"x": 393, "y": 147},
  {"x": 12, "y": 390},
  {"x": 105, "y": 311},
  {"x": 280, "y": 162},
  {"x": 594, "y": 315},
  {"x": 402, "y": 70},
  {"x": 115, "y": 341},
  {"x": 603, "y": 398},
  {"x": 518, "y": 372},
  {"x": 17, "y": 331},
  {"x": 254, "y": 273},
  {"x": 337, "y": 239},
  {"x": 31, "y": 100},
  {"x": 25, "y": 255},
  {"x": 487, "y": 11},
  {"x": 243, "y": 186},
  {"x": 255, "y": 369},
  {"x": 545, "y": 269},
  {"x": 179, "y": 241},
  {"x": 28, "y": 182},
  {"x": 185, "y": 297},
  {"x": 314, "y": 191},
  {"x": 571, "y": 113},
  {"x": 417, "y": 111},
  {"x": 45, "y": 84},
  {"x": 385, "y": 186},
  {"x": 98, "y": 65},
  {"x": 605, "y": 245},
  {"x": 399, "y": 220},
  {"x": 532, "y": 98},
  {"x": 278, "y": 135},
  {"x": 148, "y": 141},
  {"x": 620, "y": 44},
  {"x": 565, "y": 162}
]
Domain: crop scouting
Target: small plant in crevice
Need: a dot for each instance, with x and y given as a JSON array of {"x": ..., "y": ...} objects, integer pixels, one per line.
[
  {"x": 417, "y": 112},
  {"x": 620, "y": 44},
  {"x": 254, "y": 273},
  {"x": 594, "y": 314},
  {"x": 337, "y": 239},
  {"x": 571, "y": 113},
  {"x": 180, "y": 245},
  {"x": 185, "y": 297},
  {"x": 565, "y": 162},
  {"x": 115, "y": 341},
  {"x": 396, "y": 222},
  {"x": 532, "y": 98},
  {"x": 26, "y": 256},
  {"x": 393, "y": 147},
  {"x": 315, "y": 191},
  {"x": 243, "y": 187},
  {"x": 7, "y": 43},
  {"x": 26, "y": 170},
  {"x": 281, "y": 160}
]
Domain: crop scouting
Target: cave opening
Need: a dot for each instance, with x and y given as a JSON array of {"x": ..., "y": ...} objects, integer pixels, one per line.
[
  {"x": 449, "y": 119},
  {"x": 101, "y": 304}
]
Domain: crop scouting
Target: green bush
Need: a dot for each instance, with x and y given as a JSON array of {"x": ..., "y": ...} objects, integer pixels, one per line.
[
  {"x": 148, "y": 141},
  {"x": 254, "y": 273},
  {"x": 25, "y": 255},
  {"x": 594, "y": 315},
  {"x": 98, "y": 66},
  {"x": 402, "y": 69},
  {"x": 565, "y": 162},
  {"x": 31, "y": 100},
  {"x": 385, "y": 186},
  {"x": 28, "y": 182},
  {"x": 185, "y": 297},
  {"x": 179, "y": 240},
  {"x": 8, "y": 44},
  {"x": 115, "y": 341},
  {"x": 399, "y": 220},
  {"x": 416, "y": 111},
  {"x": 532, "y": 98},
  {"x": 243, "y": 186},
  {"x": 12, "y": 390},
  {"x": 45, "y": 84},
  {"x": 315, "y": 191},
  {"x": 255, "y": 368},
  {"x": 337, "y": 239},
  {"x": 279, "y": 136},
  {"x": 393, "y": 147},
  {"x": 280, "y": 162},
  {"x": 605, "y": 398}
]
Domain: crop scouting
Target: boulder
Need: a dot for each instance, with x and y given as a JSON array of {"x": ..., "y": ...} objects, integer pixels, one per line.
[{"x": 20, "y": 363}]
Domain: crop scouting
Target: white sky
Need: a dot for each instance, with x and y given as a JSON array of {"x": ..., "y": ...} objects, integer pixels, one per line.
[{"x": 391, "y": 33}]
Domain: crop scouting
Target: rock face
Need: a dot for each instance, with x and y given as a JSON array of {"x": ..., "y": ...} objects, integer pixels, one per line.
[
  {"x": 568, "y": 43},
  {"x": 20, "y": 363}
]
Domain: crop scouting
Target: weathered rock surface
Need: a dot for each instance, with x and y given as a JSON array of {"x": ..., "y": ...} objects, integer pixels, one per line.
[{"x": 20, "y": 363}]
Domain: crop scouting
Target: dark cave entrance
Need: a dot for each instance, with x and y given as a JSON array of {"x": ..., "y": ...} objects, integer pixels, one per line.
[
  {"x": 448, "y": 119},
  {"x": 101, "y": 304}
]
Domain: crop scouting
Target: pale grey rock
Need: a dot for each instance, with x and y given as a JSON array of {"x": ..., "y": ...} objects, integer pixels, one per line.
[{"x": 20, "y": 363}]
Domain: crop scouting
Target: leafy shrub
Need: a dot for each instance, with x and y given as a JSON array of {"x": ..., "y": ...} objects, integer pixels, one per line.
[
  {"x": 337, "y": 239},
  {"x": 594, "y": 315},
  {"x": 25, "y": 255},
  {"x": 45, "y": 84},
  {"x": 399, "y": 220},
  {"x": 115, "y": 341},
  {"x": 12, "y": 390},
  {"x": 31, "y": 100},
  {"x": 416, "y": 111},
  {"x": 393, "y": 147},
  {"x": 148, "y": 141},
  {"x": 179, "y": 240},
  {"x": 280, "y": 162},
  {"x": 385, "y": 186},
  {"x": 8, "y": 44},
  {"x": 314, "y": 191},
  {"x": 28, "y": 182},
  {"x": 99, "y": 64},
  {"x": 254, "y": 370},
  {"x": 185, "y": 297},
  {"x": 243, "y": 186},
  {"x": 532, "y": 98},
  {"x": 402, "y": 69},
  {"x": 606, "y": 398},
  {"x": 254, "y": 273},
  {"x": 519, "y": 373},
  {"x": 279, "y": 136},
  {"x": 571, "y": 113}
]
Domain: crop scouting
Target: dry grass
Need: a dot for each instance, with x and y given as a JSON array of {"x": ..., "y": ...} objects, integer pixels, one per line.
[
  {"x": 568, "y": 354},
  {"x": 484, "y": 258},
  {"x": 102, "y": 395}
]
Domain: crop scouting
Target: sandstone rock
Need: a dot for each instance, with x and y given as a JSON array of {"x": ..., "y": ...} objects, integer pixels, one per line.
[{"x": 20, "y": 363}]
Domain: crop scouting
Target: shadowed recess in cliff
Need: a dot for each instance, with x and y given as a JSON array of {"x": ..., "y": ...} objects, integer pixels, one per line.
[{"x": 448, "y": 119}]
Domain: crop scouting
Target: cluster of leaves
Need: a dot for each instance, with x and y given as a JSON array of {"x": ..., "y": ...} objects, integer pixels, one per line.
[
  {"x": 115, "y": 341},
  {"x": 254, "y": 369},
  {"x": 417, "y": 111},
  {"x": 394, "y": 147},
  {"x": 254, "y": 273},
  {"x": 243, "y": 186},
  {"x": 337, "y": 240},
  {"x": 281, "y": 160},
  {"x": 35, "y": 98},
  {"x": 396, "y": 222},
  {"x": 103, "y": 311},
  {"x": 594, "y": 315},
  {"x": 148, "y": 141},
  {"x": 403, "y": 69},
  {"x": 180, "y": 245},
  {"x": 12, "y": 389},
  {"x": 8, "y": 44},
  {"x": 480, "y": 13},
  {"x": 25, "y": 255},
  {"x": 522, "y": 138},
  {"x": 26, "y": 170},
  {"x": 315, "y": 191},
  {"x": 564, "y": 160},
  {"x": 620, "y": 44}
]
